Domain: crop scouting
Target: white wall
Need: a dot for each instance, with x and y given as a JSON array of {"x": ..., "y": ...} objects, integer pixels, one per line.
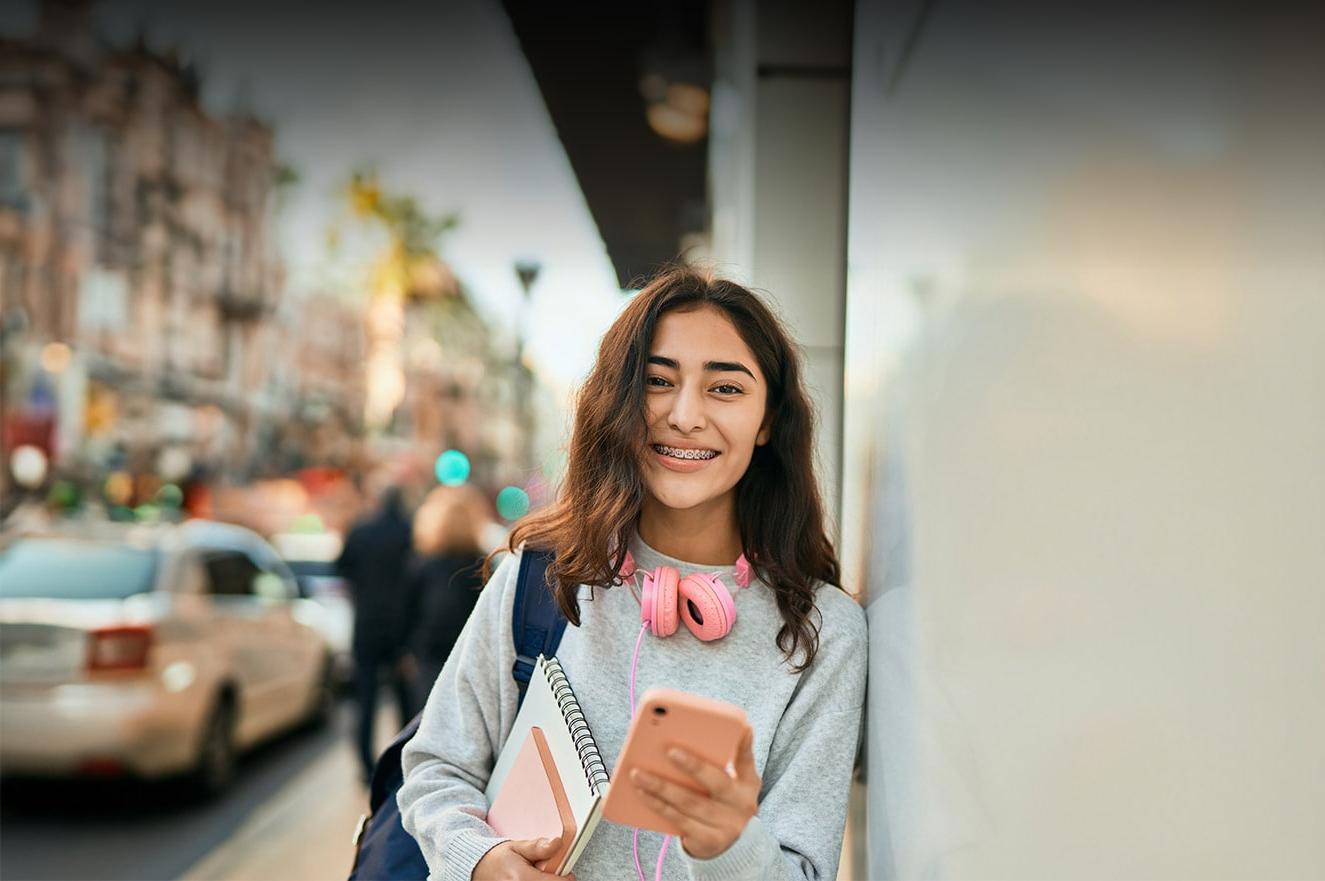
[{"x": 1084, "y": 467}]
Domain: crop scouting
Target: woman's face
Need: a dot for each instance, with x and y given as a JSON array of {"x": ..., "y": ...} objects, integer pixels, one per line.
[{"x": 704, "y": 403}]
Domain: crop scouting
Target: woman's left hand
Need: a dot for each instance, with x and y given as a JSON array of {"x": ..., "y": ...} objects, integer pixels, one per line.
[{"x": 712, "y": 820}]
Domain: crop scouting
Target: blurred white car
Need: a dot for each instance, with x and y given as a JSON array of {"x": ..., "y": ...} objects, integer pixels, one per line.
[{"x": 150, "y": 650}]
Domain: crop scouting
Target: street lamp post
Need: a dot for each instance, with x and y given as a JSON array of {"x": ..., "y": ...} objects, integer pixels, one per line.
[{"x": 527, "y": 272}]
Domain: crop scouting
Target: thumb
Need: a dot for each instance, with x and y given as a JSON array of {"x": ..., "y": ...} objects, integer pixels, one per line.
[{"x": 534, "y": 849}]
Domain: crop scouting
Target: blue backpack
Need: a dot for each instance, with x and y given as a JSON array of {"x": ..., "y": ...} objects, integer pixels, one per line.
[{"x": 383, "y": 850}]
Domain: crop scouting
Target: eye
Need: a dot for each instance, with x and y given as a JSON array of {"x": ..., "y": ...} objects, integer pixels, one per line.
[
  {"x": 656, "y": 381},
  {"x": 728, "y": 389}
]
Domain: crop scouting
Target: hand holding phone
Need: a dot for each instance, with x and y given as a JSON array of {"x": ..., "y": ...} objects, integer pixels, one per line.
[{"x": 673, "y": 773}]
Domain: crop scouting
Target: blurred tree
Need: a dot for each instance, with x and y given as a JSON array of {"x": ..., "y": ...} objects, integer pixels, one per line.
[
  {"x": 409, "y": 273},
  {"x": 411, "y": 266}
]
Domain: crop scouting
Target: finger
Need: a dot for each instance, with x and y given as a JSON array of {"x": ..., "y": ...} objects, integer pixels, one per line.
[
  {"x": 685, "y": 824},
  {"x": 535, "y": 849},
  {"x": 529, "y": 873},
  {"x": 682, "y": 802},
  {"x": 692, "y": 833},
  {"x": 745, "y": 758},
  {"x": 535, "y": 875},
  {"x": 716, "y": 781}
]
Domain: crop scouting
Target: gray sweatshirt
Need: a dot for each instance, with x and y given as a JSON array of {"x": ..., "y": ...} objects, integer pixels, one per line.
[{"x": 806, "y": 726}]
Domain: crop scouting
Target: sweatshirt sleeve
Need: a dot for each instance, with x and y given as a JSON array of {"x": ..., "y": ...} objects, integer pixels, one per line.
[
  {"x": 467, "y": 717},
  {"x": 797, "y": 833}
]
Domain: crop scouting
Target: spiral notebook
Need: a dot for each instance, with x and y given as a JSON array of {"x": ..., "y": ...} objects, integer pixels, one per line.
[{"x": 549, "y": 779}]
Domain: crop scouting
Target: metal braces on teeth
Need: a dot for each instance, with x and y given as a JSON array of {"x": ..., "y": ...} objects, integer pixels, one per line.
[{"x": 676, "y": 453}]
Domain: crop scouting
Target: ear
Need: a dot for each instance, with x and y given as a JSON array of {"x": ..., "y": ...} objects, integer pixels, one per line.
[{"x": 764, "y": 431}]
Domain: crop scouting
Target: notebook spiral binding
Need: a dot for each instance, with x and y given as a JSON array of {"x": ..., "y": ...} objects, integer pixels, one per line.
[{"x": 594, "y": 769}]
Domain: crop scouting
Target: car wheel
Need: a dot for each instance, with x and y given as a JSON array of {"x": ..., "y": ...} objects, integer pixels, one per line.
[{"x": 217, "y": 755}]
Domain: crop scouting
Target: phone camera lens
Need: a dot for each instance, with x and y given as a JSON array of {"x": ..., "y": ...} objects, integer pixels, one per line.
[{"x": 660, "y": 711}]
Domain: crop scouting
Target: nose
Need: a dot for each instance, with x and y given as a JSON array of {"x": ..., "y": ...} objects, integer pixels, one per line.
[{"x": 687, "y": 412}]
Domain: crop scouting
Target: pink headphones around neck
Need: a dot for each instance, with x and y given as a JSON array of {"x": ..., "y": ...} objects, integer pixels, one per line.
[
  {"x": 703, "y": 602},
  {"x": 700, "y": 600}
]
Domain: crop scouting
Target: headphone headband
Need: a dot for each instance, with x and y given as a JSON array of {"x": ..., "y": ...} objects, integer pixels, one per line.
[{"x": 744, "y": 571}]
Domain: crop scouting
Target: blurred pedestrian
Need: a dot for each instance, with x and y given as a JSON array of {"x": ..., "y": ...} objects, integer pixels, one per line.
[
  {"x": 374, "y": 562},
  {"x": 444, "y": 581}
]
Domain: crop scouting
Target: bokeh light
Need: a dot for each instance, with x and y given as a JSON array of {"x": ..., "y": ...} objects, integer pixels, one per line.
[
  {"x": 512, "y": 503},
  {"x": 63, "y": 495},
  {"x": 119, "y": 488},
  {"x": 28, "y": 464},
  {"x": 309, "y": 523},
  {"x": 147, "y": 513},
  {"x": 55, "y": 357},
  {"x": 174, "y": 463},
  {"x": 538, "y": 489},
  {"x": 170, "y": 496},
  {"x": 452, "y": 468}
]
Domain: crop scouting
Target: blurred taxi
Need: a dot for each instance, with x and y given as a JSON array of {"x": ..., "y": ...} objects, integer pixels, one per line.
[{"x": 150, "y": 650}]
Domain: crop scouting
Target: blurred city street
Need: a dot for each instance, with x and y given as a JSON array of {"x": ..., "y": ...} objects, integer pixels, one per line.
[
  {"x": 297, "y": 302},
  {"x": 291, "y": 815}
]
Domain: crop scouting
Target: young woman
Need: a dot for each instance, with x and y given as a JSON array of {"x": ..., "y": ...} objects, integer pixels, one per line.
[{"x": 692, "y": 448}]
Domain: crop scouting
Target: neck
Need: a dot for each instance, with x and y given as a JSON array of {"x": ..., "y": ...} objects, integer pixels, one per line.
[{"x": 707, "y": 535}]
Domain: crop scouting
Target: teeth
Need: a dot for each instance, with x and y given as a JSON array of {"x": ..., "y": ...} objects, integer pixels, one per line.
[{"x": 678, "y": 453}]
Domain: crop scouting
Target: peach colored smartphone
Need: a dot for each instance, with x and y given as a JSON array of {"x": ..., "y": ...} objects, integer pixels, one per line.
[{"x": 666, "y": 717}]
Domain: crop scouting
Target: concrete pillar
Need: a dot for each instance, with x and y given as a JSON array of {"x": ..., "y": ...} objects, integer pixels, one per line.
[{"x": 778, "y": 161}]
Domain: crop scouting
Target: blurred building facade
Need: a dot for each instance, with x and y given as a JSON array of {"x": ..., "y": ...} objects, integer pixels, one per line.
[
  {"x": 135, "y": 230},
  {"x": 320, "y": 343},
  {"x": 147, "y": 324}
]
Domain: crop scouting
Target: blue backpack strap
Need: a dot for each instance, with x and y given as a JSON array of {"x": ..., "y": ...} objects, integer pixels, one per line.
[
  {"x": 537, "y": 622},
  {"x": 383, "y": 850}
]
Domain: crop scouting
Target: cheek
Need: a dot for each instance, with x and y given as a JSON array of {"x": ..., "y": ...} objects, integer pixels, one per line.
[
  {"x": 742, "y": 430},
  {"x": 653, "y": 411}
]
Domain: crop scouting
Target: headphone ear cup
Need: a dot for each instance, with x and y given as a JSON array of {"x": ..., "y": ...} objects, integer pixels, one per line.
[
  {"x": 658, "y": 601},
  {"x": 712, "y": 600}
]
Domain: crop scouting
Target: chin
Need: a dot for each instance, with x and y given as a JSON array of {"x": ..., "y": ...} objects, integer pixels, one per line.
[
  {"x": 682, "y": 498},
  {"x": 682, "y": 501}
]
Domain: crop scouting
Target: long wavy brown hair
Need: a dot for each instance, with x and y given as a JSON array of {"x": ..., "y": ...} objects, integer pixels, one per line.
[{"x": 777, "y": 500}]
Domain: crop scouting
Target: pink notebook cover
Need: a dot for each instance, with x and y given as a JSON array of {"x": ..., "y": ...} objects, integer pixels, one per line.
[{"x": 532, "y": 802}]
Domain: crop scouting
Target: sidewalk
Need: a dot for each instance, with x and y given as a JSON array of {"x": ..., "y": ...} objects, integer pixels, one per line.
[
  {"x": 305, "y": 832},
  {"x": 301, "y": 834}
]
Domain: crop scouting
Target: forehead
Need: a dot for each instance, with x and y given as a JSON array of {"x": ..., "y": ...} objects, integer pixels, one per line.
[{"x": 698, "y": 335}]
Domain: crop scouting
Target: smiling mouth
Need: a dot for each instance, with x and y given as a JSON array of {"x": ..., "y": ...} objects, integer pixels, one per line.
[{"x": 678, "y": 453}]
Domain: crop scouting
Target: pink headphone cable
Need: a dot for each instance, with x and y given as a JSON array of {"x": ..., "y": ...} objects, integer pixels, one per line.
[
  {"x": 657, "y": 870},
  {"x": 634, "y": 840},
  {"x": 634, "y": 663}
]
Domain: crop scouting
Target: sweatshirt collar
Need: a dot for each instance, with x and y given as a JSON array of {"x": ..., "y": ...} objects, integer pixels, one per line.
[{"x": 648, "y": 559}]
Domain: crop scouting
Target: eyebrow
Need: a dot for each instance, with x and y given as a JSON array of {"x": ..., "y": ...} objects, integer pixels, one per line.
[{"x": 711, "y": 366}]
